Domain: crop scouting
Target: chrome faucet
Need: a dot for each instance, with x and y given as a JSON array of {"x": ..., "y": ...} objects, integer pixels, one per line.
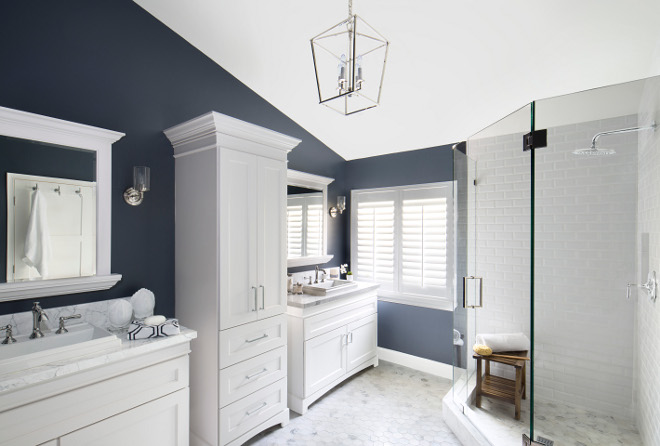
[
  {"x": 39, "y": 317},
  {"x": 316, "y": 280}
]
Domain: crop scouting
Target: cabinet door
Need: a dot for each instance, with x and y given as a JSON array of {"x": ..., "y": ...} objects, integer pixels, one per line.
[
  {"x": 271, "y": 236},
  {"x": 362, "y": 341},
  {"x": 163, "y": 422},
  {"x": 238, "y": 242},
  {"x": 325, "y": 360}
]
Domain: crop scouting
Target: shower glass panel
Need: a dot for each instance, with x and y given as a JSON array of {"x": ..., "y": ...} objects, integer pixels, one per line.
[
  {"x": 493, "y": 208},
  {"x": 587, "y": 249}
]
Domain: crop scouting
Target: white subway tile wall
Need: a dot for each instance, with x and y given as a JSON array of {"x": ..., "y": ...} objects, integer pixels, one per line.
[
  {"x": 647, "y": 348},
  {"x": 585, "y": 217}
]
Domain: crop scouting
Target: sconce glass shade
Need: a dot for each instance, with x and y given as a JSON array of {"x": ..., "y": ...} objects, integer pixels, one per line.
[
  {"x": 141, "y": 184},
  {"x": 141, "y": 178},
  {"x": 349, "y": 61},
  {"x": 341, "y": 203}
]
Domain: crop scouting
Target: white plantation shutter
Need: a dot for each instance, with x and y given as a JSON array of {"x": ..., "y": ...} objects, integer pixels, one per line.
[
  {"x": 424, "y": 242},
  {"x": 304, "y": 225},
  {"x": 314, "y": 232},
  {"x": 401, "y": 237},
  {"x": 294, "y": 224}
]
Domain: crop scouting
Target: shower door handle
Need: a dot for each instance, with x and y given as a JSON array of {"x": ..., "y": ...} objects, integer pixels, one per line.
[{"x": 481, "y": 291}]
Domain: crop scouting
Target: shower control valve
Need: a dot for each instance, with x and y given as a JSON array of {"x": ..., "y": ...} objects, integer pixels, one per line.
[{"x": 651, "y": 286}]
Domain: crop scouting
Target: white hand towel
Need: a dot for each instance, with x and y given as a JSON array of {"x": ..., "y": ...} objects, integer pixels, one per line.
[
  {"x": 138, "y": 330},
  {"x": 504, "y": 342},
  {"x": 37, "y": 240}
]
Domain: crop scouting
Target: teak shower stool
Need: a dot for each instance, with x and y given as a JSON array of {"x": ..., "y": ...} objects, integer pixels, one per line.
[{"x": 509, "y": 390}]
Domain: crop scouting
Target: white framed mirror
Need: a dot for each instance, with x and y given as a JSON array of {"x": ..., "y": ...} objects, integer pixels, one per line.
[
  {"x": 57, "y": 134},
  {"x": 307, "y": 219}
]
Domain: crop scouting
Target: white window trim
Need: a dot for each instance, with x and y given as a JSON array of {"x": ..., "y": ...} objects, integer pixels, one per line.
[{"x": 440, "y": 303}]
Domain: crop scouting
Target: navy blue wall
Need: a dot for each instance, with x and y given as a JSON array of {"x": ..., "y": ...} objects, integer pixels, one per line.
[
  {"x": 111, "y": 64},
  {"x": 417, "y": 331}
]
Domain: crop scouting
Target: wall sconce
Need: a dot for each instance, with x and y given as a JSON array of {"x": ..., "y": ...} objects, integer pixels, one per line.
[
  {"x": 341, "y": 206},
  {"x": 141, "y": 183}
]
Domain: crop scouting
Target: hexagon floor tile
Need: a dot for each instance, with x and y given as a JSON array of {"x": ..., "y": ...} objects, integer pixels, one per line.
[{"x": 385, "y": 405}]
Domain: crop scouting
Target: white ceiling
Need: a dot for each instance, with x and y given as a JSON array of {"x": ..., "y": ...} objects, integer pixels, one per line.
[{"x": 453, "y": 67}]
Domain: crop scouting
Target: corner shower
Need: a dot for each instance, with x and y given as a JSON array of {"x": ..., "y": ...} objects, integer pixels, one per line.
[{"x": 559, "y": 241}]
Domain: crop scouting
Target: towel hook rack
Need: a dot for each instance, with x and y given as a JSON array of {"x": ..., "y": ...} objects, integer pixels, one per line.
[
  {"x": 36, "y": 186},
  {"x": 58, "y": 190}
]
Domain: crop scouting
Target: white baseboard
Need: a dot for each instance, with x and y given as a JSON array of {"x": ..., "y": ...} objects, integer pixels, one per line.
[{"x": 415, "y": 362}]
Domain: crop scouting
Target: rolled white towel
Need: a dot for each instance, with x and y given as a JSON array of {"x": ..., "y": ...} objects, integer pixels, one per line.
[
  {"x": 139, "y": 330},
  {"x": 504, "y": 342}
]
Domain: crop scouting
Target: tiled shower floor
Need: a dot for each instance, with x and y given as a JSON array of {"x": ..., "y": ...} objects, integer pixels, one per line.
[
  {"x": 564, "y": 424},
  {"x": 385, "y": 405}
]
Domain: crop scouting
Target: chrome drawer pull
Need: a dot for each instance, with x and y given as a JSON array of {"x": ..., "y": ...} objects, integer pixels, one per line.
[
  {"x": 256, "y": 374},
  {"x": 265, "y": 335},
  {"x": 253, "y": 411}
]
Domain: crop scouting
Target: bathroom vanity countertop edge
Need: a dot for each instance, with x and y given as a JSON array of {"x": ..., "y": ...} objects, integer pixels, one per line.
[
  {"x": 128, "y": 349},
  {"x": 308, "y": 300}
]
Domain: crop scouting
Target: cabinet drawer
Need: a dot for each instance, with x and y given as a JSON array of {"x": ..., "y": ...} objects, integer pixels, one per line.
[
  {"x": 337, "y": 317},
  {"x": 248, "y": 376},
  {"x": 239, "y": 417},
  {"x": 247, "y": 341}
]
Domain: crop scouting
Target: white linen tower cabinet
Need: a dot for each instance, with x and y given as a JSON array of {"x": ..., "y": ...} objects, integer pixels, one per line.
[{"x": 230, "y": 273}]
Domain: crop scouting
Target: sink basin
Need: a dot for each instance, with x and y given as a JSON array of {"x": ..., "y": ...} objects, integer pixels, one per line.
[
  {"x": 82, "y": 339},
  {"x": 329, "y": 287}
]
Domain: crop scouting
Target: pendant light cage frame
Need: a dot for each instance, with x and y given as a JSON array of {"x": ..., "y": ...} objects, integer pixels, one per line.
[{"x": 349, "y": 63}]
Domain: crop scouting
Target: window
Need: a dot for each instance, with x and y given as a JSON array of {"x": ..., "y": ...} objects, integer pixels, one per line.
[
  {"x": 402, "y": 238},
  {"x": 304, "y": 215}
]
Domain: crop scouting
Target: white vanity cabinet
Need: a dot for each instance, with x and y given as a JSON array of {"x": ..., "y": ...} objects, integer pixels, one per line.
[
  {"x": 138, "y": 395},
  {"x": 328, "y": 343},
  {"x": 230, "y": 273}
]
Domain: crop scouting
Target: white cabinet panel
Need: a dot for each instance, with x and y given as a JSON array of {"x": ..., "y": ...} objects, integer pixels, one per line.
[
  {"x": 239, "y": 380},
  {"x": 271, "y": 237},
  {"x": 161, "y": 422},
  {"x": 325, "y": 360},
  {"x": 246, "y": 341},
  {"x": 362, "y": 340},
  {"x": 247, "y": 413},
  {"x": 238, "y": 236}
]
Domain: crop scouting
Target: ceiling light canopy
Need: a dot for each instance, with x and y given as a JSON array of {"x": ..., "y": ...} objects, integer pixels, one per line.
[{"x": 349, "y": 61}]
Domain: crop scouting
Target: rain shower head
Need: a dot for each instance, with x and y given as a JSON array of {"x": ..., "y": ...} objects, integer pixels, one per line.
[{"x": 593, "y": 151}]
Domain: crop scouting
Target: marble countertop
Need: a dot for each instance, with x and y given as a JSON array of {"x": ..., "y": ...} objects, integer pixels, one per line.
[
  {"x": 309, "y": 300},
  {"x": 128, "y": 349}
]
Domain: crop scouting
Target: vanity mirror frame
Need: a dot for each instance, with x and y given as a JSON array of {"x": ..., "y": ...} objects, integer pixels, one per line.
[
  {"x": 30, "y": 126},
  {"x": 320, "y": 183}
]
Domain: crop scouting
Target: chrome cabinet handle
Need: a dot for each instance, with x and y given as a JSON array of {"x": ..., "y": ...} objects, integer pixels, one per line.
[
  {"x": 253, "y": 288},
  {"x": 481, "y": 291},
  {"x": 256, "y": 373},
  {"x": 349, "y": 341},
  {"x": 257, "y": 409},
  {"x": 265, "y": 335},
  {"x": 263, "y": 297},
  {"x": 344, "y": 341}
]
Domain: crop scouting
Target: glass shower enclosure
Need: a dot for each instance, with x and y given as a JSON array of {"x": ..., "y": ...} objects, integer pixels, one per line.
[{"x": 552, "y": 236}]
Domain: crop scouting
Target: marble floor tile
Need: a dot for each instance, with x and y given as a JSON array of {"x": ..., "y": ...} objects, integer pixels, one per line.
[
  {"x": 385, "y": 405},
  {"x": 564, "y": 424}
]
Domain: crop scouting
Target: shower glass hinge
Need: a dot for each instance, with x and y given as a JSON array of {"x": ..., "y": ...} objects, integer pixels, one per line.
[
  {"x": 535, "y": 140},
  {"x": 526, "y": 441}
]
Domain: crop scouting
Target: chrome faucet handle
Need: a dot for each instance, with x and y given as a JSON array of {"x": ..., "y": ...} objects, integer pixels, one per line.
[
  {"x": 9, "y": 339},
  {"x": 310, "y": 279},
  {"x": 62, "y": 328},
  {"x": 39, "y": 317}
]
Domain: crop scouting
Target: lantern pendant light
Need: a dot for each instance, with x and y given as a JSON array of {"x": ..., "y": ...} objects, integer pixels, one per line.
[{"x": 349, "y": 63}]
